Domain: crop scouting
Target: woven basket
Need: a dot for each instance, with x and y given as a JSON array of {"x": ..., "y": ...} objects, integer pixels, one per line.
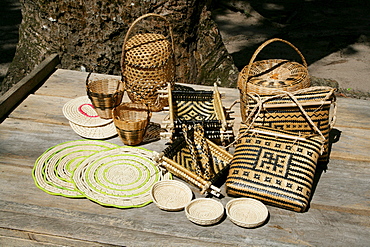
[
  {"x": 148, "y": 64},
  {"x": 267, "y": 76},
  {"x": 105, "y": 94},
  {"x": 246, "y": 212},
  {"x": 131, "y": 121},
  {"x": 204, "y": 211},
  {"x": 171, "y": 195},
  {"x": 282, "y": 112}
]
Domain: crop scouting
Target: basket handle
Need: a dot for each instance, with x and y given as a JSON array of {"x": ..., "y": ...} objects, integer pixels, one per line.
[
  {"x": 242, "y": 83},
  {"x": 132, "y": 26}
]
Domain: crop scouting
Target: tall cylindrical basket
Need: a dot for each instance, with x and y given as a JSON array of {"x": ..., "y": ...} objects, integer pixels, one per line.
[{"x": 147, "y": 63}]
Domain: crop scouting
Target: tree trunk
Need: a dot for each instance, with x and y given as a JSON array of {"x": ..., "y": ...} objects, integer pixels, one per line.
[{"x": 90, "y": 32}]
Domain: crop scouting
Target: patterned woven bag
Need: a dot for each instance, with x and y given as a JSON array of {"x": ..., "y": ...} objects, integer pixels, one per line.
[
  {"x": 281, "y": 112},
  {"x": 275, "y": 166}
]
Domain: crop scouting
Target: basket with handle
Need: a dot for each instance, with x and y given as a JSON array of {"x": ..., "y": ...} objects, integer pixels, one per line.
[
  {"x": 268, "y": 76},
  {"x": 147, "y": 63},
  {"x": 131, "y": 121},
  {"x": 104, "y": 94}
]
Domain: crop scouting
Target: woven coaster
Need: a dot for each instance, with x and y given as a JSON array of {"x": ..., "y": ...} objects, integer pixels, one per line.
[
  {"x": 53, "y": 169},
  {"x": 97, "y": 132},
  {"x": 80, "y": 111},
  {"x": 120, "y": 177}
]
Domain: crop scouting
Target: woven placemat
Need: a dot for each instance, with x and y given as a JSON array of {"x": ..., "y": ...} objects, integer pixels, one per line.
[
  {"x": 97, "y": 132},
  {"x": 52, "y": 171},
  {"x": 80, "y": 111},
  {"x": 121, "y": 177}
]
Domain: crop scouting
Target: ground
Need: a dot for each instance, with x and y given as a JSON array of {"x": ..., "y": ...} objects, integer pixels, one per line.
[{"x": 333, "y": 36}]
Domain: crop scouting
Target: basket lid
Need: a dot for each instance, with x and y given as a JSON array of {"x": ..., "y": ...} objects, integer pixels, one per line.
[
  {"x": 147, "y": 50},
  {"x": 278, "y": 74}
]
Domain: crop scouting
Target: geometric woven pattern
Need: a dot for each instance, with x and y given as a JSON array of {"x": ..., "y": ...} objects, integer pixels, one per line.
[
  {"x": 53, "y": 169},
  {"x": 120, "y": 177},
  {"x": 274, "y": 166}
]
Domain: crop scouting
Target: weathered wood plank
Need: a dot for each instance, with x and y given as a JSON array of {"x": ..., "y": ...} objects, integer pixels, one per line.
[{"x": 21, "y": 89}]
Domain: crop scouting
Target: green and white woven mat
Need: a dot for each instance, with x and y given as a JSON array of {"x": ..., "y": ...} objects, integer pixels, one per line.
[{"x": 120, "y": 177}]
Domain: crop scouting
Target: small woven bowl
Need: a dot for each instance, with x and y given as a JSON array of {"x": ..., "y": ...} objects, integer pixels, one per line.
[
  {"x": 171, "y": 195},
  {"x": 204, "y": 211},
  {"x": 246, "y": 212}
]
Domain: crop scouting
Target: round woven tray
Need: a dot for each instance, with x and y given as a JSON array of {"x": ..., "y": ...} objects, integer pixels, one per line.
[
  {"x": 80, "y": 111},
  {"x": 204, "y": 211},
  {"x": 97, "y": 132},
  {"x": 246, "y": 212},
  {"x": 121, "y": 177},
  {"x": 171, "y": 195},
  {"x": 52, "y": 171}
]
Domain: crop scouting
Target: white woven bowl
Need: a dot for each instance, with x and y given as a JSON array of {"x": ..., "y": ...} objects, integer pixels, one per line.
[
  {"x": 204, "y": 211},
  {"x": 246, "y": 212},
  {"x": 171, "y": 195}
]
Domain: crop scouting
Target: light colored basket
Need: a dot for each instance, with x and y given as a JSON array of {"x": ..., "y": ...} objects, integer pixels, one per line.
[
  {"x": 246, "y": 212},
  {"x": 204, "y": 211},
  {"x": 268, "y": 76},
  {"x": 105, "y": 94},
  {"x": 171, "y": 195},
  {"x": 147, "y": 64},
  {"x": 131, "y": 121}
]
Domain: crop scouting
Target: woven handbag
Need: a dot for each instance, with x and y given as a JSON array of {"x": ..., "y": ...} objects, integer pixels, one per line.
[
  {"x": 147, "y": 62},
  {"x": 281, "y": 112},
  {"x": 197, "y": 160},
  {"x": 275, "y": 166},
  {"x": 267, "y": 76},
  {"x": 105, "y": 94}
]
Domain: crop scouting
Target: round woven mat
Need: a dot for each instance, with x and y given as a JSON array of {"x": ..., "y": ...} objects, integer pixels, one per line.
[
  {"x": 53, "y": 170},
  {"x": 98, "y": 132},
  {"x": 121, "y": 177},
  {"x": 80, "y": 111}
]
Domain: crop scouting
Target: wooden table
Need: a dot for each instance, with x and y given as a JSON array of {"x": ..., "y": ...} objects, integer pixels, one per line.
[{"x": 339, "y": 214}]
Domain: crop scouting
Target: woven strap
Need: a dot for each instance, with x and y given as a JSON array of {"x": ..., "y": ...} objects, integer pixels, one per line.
[
  {"x": 192, "y": 150},
  {"x": 242, "y": 84},
  {"x": 203, "y": 153}
]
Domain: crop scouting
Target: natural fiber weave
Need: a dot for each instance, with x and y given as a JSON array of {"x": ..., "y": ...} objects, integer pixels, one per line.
[
  {"x": 204, "y": 211},
  {"x": 246, "y": 212},
  {"x": 105, "y": 94},
  {"x": 53, "y": 170},
  {"x": 131, "y": 121},
  {"x": 121, "y": 177},
  {"x": 80, "y": 111},
  {"x": 274, "y": 166},
  {"x": 148, "y": 63},
  {"x": 98, "y": 132},
  {"x": 267, "y": 76},
  {"x": 281, "y": 112},
  {"x": 171, "y": 195}
]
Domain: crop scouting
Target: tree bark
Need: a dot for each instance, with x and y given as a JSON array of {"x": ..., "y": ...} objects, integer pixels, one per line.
[{"x": 86, "y": 33}]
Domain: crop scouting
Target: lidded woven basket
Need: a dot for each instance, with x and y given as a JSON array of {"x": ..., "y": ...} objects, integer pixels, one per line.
[
  {"x": 273, "y": 75},
  {"x": 148, "y": 62}
]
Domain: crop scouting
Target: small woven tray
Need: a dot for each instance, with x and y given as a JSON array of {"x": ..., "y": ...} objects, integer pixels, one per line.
[
  {"x": 246, "y": 212},
  {"x": 204, "y": 211},
  {"x": 171, "y": 195},
  {"x": 80, "y": 111},
  {"x": 52, "y": 171},
  {"x": 121, "y": 177}
]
